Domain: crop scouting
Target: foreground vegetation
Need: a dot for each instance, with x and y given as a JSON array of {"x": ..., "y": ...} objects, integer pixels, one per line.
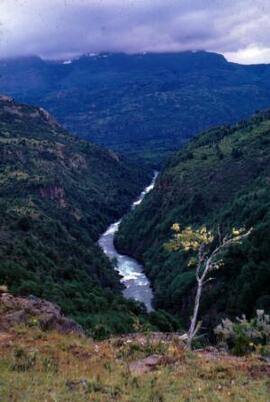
[
  {"x": 58, "y": 194},
  {"x": 48, "y": 366},
  {"x": 220, "y": 179}
]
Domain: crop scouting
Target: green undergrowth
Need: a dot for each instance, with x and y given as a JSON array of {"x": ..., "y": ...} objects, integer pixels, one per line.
[{"x": 219, "y": 178}]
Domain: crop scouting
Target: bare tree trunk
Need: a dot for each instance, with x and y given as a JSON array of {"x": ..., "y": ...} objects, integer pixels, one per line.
[
  {"x": 192, "y": 328},
  {"x": 206, "y": 266}
]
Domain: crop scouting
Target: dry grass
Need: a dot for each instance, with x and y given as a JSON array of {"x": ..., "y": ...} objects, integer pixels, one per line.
[{"x": 37, "y": 366}]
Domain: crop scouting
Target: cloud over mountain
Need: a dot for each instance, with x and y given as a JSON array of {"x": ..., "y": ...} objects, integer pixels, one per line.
[{"x": 66, "y": 28}]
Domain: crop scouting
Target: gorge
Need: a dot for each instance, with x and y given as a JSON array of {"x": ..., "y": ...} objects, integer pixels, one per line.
[{"x": 136, "y": 284}]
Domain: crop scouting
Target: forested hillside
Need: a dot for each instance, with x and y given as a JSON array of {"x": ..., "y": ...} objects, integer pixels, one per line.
[
  {"x": 58, "y": 194},
  {"x": 144, "y": 105},
  {"x": 220, "y": 178}
]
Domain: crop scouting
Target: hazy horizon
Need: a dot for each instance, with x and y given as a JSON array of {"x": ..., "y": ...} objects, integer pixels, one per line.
[{"x": 64, "y": 29}]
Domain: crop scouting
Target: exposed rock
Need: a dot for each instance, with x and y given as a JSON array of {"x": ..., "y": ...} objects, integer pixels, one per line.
[
  {"x": 50, "y": 119},
  {"x": 77, "y": 162},
  {"x": 5, "y": 98},
  {"x": 258, "y": 371},
  {"x": 148, "y": 364},
  {"x": 54, "y": 193},
  {"x": 5, "y": 339},
  {"x": 114, "y": 156},
  {"x": 75, "y": 385},
  {"x": 20, "y": 310},
  {"x": 3, "y": 288},
  {"x": 15, "y": 317}
]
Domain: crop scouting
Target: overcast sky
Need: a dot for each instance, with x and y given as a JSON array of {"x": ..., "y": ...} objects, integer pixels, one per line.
[{"x": 240, "y": 29}]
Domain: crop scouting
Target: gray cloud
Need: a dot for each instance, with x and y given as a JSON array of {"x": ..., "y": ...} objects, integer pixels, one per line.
[{"x": 239, "y": 29}]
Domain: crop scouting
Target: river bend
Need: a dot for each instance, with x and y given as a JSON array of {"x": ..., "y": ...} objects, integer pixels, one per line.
[{"x": 136, "y": 284}]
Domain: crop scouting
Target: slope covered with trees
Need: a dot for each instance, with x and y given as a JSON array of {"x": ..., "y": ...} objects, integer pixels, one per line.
[
  {"x": 219, "y": 178},
  {"x": 58, "y": 194},
  {"x": 144, "y": 105}
]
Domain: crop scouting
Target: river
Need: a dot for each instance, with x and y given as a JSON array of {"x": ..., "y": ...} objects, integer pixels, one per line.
[{"x": 136, "y": 284}]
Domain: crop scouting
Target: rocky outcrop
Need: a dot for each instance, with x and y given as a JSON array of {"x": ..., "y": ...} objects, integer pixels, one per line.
[
  {"x": 54, "y": 193},
  {"x": 150, "y": 363},
  {"x": 49, "y": 118},
  {"x": 5, "y": 98},
  {"x": 33, "y": 310}
]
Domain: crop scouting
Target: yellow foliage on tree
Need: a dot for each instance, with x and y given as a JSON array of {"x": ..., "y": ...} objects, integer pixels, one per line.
[
  {"x": 208, "y": 248},
  {"x": 189, "y": 239}
]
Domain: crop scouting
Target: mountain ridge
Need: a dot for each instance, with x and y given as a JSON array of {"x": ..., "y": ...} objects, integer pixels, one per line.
[{"x": 144, "y": 106}]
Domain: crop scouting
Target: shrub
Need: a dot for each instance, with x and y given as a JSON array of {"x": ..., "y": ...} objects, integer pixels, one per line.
[
  {"x": 23, "y": 360},
  {"x": 101, "y": 331},
  {"x": 50, "y": 364},
  {"x": 24, "y": 223},
  {"x": 236, "y": 153},
  {"x": 245, "y": 336}
]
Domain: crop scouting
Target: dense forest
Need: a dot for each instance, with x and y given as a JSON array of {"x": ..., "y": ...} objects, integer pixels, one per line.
[
  {"x": 58, "y": 194},
  {"x": 220, "y": 178},
  {"x": 143, "y": 105}
]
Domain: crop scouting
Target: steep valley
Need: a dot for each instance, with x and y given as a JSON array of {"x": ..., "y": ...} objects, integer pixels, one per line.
[
  {"x": 221, "y": 178},
  {"x": 58, "y": 194},
  {"x": 134, "y": 201}
]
